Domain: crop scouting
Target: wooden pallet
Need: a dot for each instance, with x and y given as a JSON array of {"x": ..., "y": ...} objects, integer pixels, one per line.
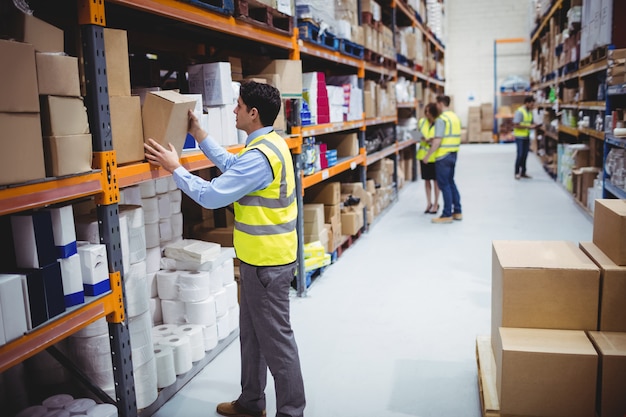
[
  {"x": 487, "y": 390},
  {"x": 377, "y": 59},
  {"x": 596, "y": 55},
  {"x": 349, "y": 241},
  {"x": 261, "y": 14}
]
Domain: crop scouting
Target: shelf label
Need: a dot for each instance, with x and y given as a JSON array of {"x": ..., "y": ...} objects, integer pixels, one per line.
[
  {"x": 325, "y": 174},
  {"x": 352, "y": 165}
]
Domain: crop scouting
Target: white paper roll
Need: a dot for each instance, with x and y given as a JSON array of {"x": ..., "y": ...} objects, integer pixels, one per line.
[
  {"x": 163, "y": 330},
  {"x": 227, "y": 271},
  {"x": 233, "y": 318},
  {"x": 167, "y": 284},
  {"x": 162, "y": 185},
  {"x": 79, "y": 406},
  {"x": 97, "y": 328},
  {"x": 176, "y": 196},
  {"x": 196, "y": 339},
  {"x": 57, "y": 413},
  {"x": 148, "y": 189},
  {"x": 151, "y": 283},
  {"x": 210, "y": 337},
  {"x": 150, "y": 210},
  {"x": 201, "y": 312},
  {"x": 166, "y": 373},
  {"x": 173, "y": 311},
  {"x": 87, "y": 228},
  {"x": 33, "y": 411},
  {"x": 153, "y": 239},
  {"x": 124, "y": 240},
  {"x": 57, "y": 402},
  {"x": 223, "y": 326},
  {"x": 146, "y": 383},
  {"x": 231, "y": 294},
  {"x": 103, "y": 410},
  {"x": 182, "y": 352},
  {"x": 153, "y": 259},
  {"x": 221, "y": 302},
  {"x": 165, "y": 230},
  {"x": 193, "y": 286},
  {"x": 177, "y": 224},
  {"x": 216, "y": 283},
  {"x": 164, "y": 206},
  {"x": 156, "y": 312},
  {"x": 169, "y": 263},
  {"x": 140, "y": 329},
  {"x": 136, "y": 288},
  {"x": 132, "y": 195},
  {"x": 171, "y": 183}
]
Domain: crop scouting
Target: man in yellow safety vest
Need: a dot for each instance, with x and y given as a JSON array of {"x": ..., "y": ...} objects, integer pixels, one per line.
[
  {"x": 445, "y": 146},
  {"x": 260, "y": 181},
  {"x": 522, "y": 123}
]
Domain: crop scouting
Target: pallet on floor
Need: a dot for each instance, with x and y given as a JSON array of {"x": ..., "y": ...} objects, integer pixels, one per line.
[
  {"x": 347, "y": 242},
  {"x": 487, "y": 390},
  {"x": 255, "y": 12},
  {"x": 226, "y": 7}
]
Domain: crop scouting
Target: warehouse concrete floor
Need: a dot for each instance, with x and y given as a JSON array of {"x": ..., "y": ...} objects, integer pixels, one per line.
[{"x": 389, "y": 330}]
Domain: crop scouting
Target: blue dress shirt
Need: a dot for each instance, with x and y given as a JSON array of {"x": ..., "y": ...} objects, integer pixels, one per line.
[{"x": 241, "y": 175}]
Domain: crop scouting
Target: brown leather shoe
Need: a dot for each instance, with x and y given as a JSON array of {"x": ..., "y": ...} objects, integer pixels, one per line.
[
  {"x": 233, "y": 409},
  {"x": 441, "y": 220},
  {"x": 457, "y": 216}
]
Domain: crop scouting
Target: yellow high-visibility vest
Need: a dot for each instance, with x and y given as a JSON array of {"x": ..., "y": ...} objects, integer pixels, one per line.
[
  {"x": 451, "y": 141},
  {"x": 527, "y": 120},
  {"x": 265, "y": 220},
  {"x": 428, "y": 131}
]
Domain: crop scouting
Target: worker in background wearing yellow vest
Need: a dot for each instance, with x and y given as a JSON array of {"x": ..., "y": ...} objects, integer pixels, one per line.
[
  {"x": 426, "y": 131},
  {"x": 260, "y": 181},
  {"x": 445, "y": 147},
  {"x": 522, "y": 123}
]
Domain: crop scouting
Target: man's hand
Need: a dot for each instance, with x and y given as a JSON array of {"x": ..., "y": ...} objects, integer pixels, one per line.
[
  {"x": 158, "y": 155},
  {"x": 425, "y": 160},
  {"x": 195, "y": 129}
]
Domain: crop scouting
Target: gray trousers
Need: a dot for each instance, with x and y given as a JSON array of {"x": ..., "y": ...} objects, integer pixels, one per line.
[{"x": 268, "y": 341}]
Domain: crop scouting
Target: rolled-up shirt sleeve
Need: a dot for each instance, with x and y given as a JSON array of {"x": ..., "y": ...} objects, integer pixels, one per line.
[{"x": 241, "y": 175}]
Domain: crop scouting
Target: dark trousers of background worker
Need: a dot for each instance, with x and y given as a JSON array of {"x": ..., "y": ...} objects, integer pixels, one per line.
[
  {"x": 444, "y": 168},
  {"x": 267, "y": 340},
  {"x": 523, "y": 145}
]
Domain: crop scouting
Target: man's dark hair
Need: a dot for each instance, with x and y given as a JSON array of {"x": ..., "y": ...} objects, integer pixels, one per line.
[
  {"x": 264, "y": 97},
  {"x": 529, "y": 99},
  {"x": 445, "y": 100},
  {"x": 432, "y": 109}
]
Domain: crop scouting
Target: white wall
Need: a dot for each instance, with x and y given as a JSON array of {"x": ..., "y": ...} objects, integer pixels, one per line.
[{"x": 472, "y": 26}]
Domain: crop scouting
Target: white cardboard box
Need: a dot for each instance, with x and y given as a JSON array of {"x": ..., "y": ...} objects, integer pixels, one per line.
[{"x": 213, "y": 81}]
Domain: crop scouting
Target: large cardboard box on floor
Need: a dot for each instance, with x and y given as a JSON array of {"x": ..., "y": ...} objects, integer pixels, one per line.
[
  {"x": 543, "y": 284},
  {"x": 609, "y": 229},
  {"x": 118, "y": 66},
  {"x": 21, "y": 160},
  {"x": 66, "y": 155},
  {"x": 57, "y": 75},
  {"x": 486, "y": 116},
  {"x": 548, "y": 373},
  {"x": 165, "y": 117},
  {"x": 612, "y": 290},
  {"x": 18, "y": 78},
  {"x": 611, "y": 401},
  {"x": 328, "y": 193},
  {"x": 126, "y": 128}
]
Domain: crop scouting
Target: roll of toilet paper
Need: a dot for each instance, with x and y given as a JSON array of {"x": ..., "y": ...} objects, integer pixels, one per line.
[
  {"x": 216, "y": 283},
  {"x": 153, "y": 259},
  {"x": 150, "y": 210},
  {"x": 193, "y": 286},
  {"x": 177, "y": 224},
  {"x": 226, "y": 271},
  {"x": 57, "y": 413},
  {"x": 33, "y": 411},
  {"x": 182, "y": 352},
  {"x": 196, "y": 339},
  {"x": 210, "y": 337},
  {"x": 173, "y": 311},
  {"x": 171, "y": 183},
  {"x": 167, "y": 284},
  {"x": 155, "y": 311},
  {"x": 87, "y": 228},
  {"x": 163, "y": 330},
  {"x": 103, "y": 410},
  {"x": 201, "y": 312},
  {"x": 148, "y": 189},
  {"x": 93, "y": 356},
  {"x": 136, "y": 233},
  {"x": 223, "y": 326},
  {"x": 146, "y": 383},
  {"x": 221, "y": 302},
  {"x": 153, "y": 238},
  {"x": 140, "y": 330},
  {"x": 97, "y": 328},
  {"x": 124, "y": 240},
  {"x": 166, "y": 373},
  {"x": 162, "y": 185},
  {"x": 136, "y": 288},
  {"x": 164, "y": 206},
  {"x": 176, "y": 196},
  {"x": 231, "y": 294},
  {"x": 233, "y": 318},
  {"x": 151, "y": 283},
  {"x": 165, "y": 230},
  {"x": 79, "y": 406},
  {"x": 57, "y": 402},
  {"x": 132, "y": 195}
]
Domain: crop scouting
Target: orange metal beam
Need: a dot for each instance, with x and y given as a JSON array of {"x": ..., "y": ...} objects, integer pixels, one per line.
[
  {"x": 106, "y": 163},
  {"x": 91, "y": 12},
  {"x": 512, "y": 40}
]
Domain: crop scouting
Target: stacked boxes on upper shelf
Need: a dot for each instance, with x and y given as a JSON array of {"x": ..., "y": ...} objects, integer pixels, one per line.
[{"x": 616, "y": 73}]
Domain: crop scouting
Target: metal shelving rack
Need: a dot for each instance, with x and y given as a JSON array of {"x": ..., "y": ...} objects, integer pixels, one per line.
[{"x": 103, "y": 183}]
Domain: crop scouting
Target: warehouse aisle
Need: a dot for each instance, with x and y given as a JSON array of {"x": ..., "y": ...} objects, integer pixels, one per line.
[{"x": 389, "y": 330}]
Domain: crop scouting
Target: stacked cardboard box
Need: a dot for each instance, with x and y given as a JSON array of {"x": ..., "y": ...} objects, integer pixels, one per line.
[
  {"x": 616, "y": 73},
  {"x": 381, "y": 174},
  {"x": 314, "y": 226},
  {"x": 486, "y": 122},
  {"x": 474, "y": 124}
]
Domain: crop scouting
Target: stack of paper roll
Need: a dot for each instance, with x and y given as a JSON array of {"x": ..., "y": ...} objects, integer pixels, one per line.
[
  {"x": 196, "y": 339},
  {"x": 144, "y": 364},
  {"x": 136, "y": 289},
  {"x": 131, "y": 196},
  {"x": 57, "y": 402},
  {"x": 90, "y": 350},
  {"x": 103, "y": 410},
  {"x": 166, "y": 373},
  {"x": 57, "y": 413},
  {"x": 181, "y": 346},
  {"x": 136, "y": 232},
  {"x": 79, "y": 406},
  {"x": 33, "y": 411}
]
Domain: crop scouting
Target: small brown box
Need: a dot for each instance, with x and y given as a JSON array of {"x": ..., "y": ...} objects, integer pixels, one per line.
[{"x": 609, "y": 229}]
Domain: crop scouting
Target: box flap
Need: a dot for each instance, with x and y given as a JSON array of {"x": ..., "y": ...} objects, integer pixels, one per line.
[
  {"x": 616, "y": 205},
  {"x": 573, "y": 342},
  {"x": 542, "y": 255},
  {"x": 609, "y": 343},
  {"x": 600, "y": 258}
]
